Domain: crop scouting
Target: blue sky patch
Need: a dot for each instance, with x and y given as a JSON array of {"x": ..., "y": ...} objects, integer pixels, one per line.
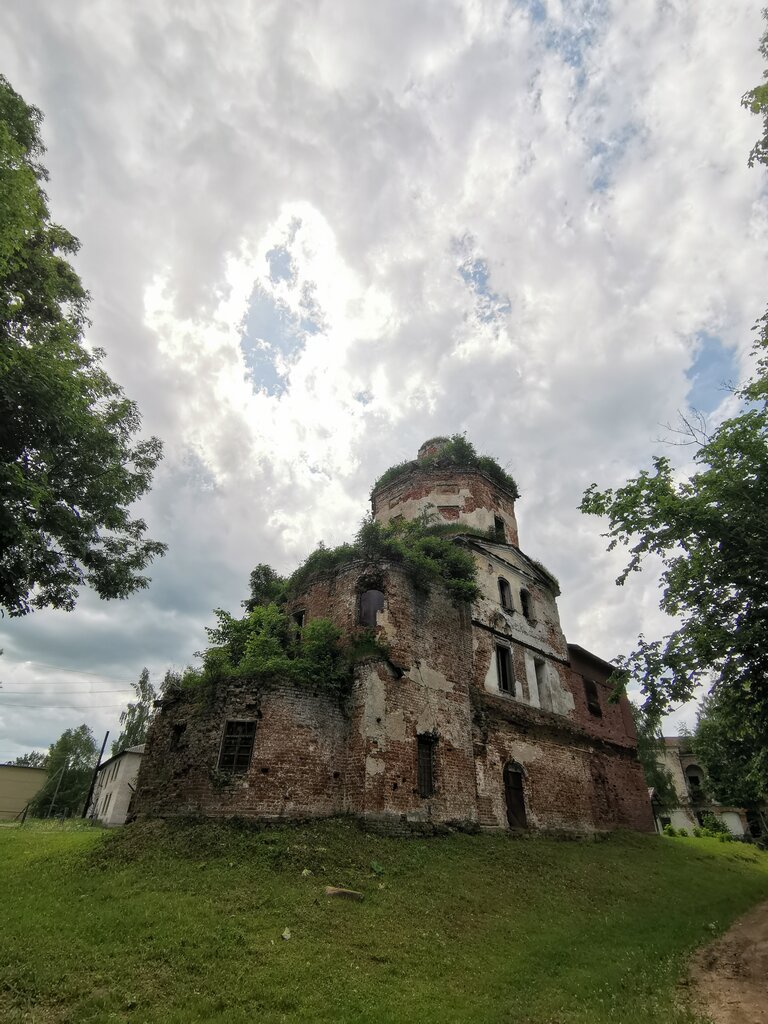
[
  {"x": 713, "y": 368},
  {"x": 271, "y": 339},
  {"x": 473, "y": 270}
]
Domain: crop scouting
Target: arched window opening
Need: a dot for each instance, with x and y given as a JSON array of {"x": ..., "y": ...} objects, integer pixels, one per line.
[
  {"x": 526, "y": 602},
  {"x": 514, "y": 795},
  {"x": 505, "y": 594},
  {"x": 370, "y": 604}
]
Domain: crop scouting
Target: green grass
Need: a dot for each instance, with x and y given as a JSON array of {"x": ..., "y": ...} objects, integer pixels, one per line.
[{"x": 182, "y": 923}]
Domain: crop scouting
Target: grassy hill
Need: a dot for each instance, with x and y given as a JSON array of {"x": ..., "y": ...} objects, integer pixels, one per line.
[{"x": 183, "y": 923}]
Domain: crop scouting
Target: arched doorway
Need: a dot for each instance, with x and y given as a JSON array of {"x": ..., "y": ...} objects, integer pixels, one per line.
[{"x": 514, "y": 795}]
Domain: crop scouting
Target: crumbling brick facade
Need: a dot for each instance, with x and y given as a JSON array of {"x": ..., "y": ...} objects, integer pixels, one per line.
[{"x": 482, "y": 715}]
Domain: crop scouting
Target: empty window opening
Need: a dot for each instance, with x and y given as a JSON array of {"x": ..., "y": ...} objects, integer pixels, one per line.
[
  {"x": 666, "y": 821},
  {"x": 504, "y": 668},
  {"x": 371, "y": 603},
  {"x": 499, "y": 530},
  {"x": 299, "y": 617},
  {"x": 425, "y": 748},
  {"x": 540, "y": 667},
  {"x": 593, "y": 698},
  {"x": 505, "y": 594},
  {"x": 514, "y": 794},
  {"x": 177, "y": 735},
  {"x": 693, "y": 776},
  {"x": 237, "y": 746},
  {"x": 526, "y": 603}
]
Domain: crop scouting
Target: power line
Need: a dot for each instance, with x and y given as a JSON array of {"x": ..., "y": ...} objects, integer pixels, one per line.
[
  {"x": 65, "y": 693},
  {"x": 62, "y": 707}
]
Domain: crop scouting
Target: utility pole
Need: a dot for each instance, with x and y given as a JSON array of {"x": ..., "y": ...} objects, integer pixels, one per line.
[
  {"x": 62, "y": 771},
  {"x": 93, "y": 777}
]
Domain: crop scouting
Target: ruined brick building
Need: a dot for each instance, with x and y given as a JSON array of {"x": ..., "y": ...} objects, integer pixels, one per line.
[{"x": 481, "y": 714}]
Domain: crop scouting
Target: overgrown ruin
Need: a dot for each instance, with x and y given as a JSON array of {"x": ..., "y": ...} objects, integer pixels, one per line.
[{"x": 474, "y": 713}]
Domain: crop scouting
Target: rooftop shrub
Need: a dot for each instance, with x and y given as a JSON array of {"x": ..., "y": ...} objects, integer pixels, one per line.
[{"x": 456, "y": 452}]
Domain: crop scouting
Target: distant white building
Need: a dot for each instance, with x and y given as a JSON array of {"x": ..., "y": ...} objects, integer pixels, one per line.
[
  {"x": 693, "y": 803},
  {"x": 115, "y": 784}
]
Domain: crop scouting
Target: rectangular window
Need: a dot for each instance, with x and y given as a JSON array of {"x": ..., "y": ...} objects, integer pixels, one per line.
[
  {"x": 237, "y": 746},
  {"x": 299, "y": 617},
  {"x": 593, "y": 698},
  {"x": 426, "y": 764},
  {"x": 500, "y": 534},
  {"x": 504, "y": 669}
]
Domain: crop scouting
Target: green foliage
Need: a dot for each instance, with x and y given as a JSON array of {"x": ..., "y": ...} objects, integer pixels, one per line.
[
  {"x": 455, "y": 452},
  {"x": 193, "y": 913},
  {"x": 683, "y": 832},
  {"x": 71, "y": 760},
  {"x": 266, "y": 586},
  {"x": 731, "y": 747},
  {"x": 650, "y": 752},
  {"x": 714, "y": 824},
  {"x": 266, "y": 646},
  {"x": 136, "y": 718},
  {"x": 69, "y": 465},
  {"x": 756, "y": 100},
  {"x": 419, "y": 546},
  {"x": 34, "y": 759},
  {"x": 670, "y": 830}
]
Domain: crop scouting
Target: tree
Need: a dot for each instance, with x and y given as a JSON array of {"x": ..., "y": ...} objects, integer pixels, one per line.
[
  {"x": 650, "y": 752},
  {"x": 69, "y": 465},
  {"x": 708, "y": 530},
  {"x": 734, "y": 759},
  {"x": 137, "y": 716},
  {"x": 71, "y": 760},
  {"x": 34, "y": 759}
]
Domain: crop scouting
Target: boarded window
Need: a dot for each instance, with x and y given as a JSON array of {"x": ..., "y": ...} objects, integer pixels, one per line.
[
  {"x": 526, "y": 603},
  {"x": 504, "y": 669},
  {"x": 425, "y": 750},
  {"x": 514, "y": 794},
  {"x": 371, "y": 603},
  {"x": 237, "y": 746},
  {"x": 593, "y": 697},
  {"x": 505, "y": 594},
  {"x": 499, "y": 532}
]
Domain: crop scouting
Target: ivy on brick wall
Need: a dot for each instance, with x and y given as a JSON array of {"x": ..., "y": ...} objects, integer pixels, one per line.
[{"x": 457, "y": 453}]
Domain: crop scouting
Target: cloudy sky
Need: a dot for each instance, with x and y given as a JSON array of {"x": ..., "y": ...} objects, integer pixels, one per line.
[{"x": 317, "y": 233}]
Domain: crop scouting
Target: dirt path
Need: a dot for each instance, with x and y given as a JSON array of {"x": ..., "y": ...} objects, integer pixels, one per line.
[{"x": 729, "y": 978}]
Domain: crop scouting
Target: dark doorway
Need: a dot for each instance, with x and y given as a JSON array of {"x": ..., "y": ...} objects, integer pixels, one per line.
[{"x": 515, "y": 796}]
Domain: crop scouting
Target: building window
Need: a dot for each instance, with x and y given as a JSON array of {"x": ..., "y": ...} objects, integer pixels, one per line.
[
  {"x": 666, "y": 821},
  {"x": 504, "y": 669},
  {"x": 593, "y": 698},
  {"x": 693, "y": 777},
  {"x": 237, "y": 746},
  {"x": 299, "y": 618},
  {"x": 425, "y": 751},
  {"x": 499, "y": 532},
  {"x": 177, "y": 735},
  {"x": 370, "y": 604},
  {"x": 505, "y": 594},
  {"x": 540, "y": 667},
  {"x": 526, "y": 603},
  {"x": 514, "y": 794}
]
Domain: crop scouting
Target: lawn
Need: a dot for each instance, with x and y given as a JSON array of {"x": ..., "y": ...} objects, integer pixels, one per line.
[{"x": 184, "y": 923}]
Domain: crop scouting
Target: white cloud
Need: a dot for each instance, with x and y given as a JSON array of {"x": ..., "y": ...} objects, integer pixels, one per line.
[{"x": 589, "y": 157}]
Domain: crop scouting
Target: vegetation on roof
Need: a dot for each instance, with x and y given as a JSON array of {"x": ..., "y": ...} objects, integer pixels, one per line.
[{"x": 456, "y": 452}]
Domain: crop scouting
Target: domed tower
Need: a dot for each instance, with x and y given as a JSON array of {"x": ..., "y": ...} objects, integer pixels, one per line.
[{"x": 449, "y": 479}]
